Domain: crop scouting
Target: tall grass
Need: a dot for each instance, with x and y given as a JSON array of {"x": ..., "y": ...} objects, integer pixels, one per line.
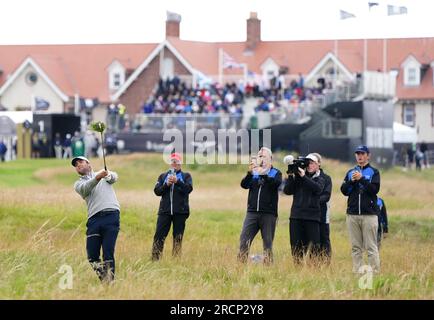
[{"x": 43, "y": 227}]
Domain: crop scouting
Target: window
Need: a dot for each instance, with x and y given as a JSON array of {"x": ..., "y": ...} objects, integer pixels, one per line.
[
  {"x": 412, "y": 76},
  {"x": 116, "y": 80},
  {"x": 409, "y": 114},
  {"x": 31, "y": 78},
  {"x": 331, "y": 71},
  {"x": 270, "y": 69},
  {"x": 168, "y": 71},
  {"x": 412, "y": 71},
  {"x": 116, "y": 75}
]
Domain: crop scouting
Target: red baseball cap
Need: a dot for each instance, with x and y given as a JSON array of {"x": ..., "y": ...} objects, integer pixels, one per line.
[{"x": 176, "y": 156}]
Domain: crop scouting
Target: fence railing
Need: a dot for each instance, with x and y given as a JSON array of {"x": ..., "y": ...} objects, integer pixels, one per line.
[
  {"x": 264, "y": 80},
  {"x": 332, "y": 129},
  {"x": 288, "y": 112},
  {"x": 163, "y": 122}
]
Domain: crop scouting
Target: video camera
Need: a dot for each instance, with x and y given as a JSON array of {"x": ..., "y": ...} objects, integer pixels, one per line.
[{"x": 294, "y": 164}]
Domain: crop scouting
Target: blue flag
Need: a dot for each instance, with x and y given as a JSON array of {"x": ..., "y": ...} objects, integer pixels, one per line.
[{"x": 372, "y": 4}]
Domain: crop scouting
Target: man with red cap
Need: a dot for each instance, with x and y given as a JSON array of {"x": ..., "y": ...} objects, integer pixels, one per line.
[{"x": 174, "y": 187}]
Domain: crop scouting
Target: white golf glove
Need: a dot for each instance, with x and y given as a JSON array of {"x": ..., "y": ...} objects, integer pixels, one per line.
[{"x": 108, "y": 177}]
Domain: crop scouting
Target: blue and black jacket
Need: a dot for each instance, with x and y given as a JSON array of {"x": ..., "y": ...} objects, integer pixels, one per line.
[
  {"x": 362, "y": 194},
  {"x": 263, "y": 191},
  {"x": 307, "y": 191},
  {"x": 174, "y": 199},
  {"x": 324, "y": 198},
  {"x": 383, "y": 224}
]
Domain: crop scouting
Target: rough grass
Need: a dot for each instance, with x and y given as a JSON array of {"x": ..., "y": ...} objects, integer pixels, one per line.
[{"x": 43, "y": 227}]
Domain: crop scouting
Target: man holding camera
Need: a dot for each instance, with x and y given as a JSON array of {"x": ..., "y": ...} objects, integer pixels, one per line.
[
  {"x": 361, "y": 185},
  {"x": 174, "y": 187},
  {"x": 263, "y": 181},
  {"x": 306, "y": 184}
]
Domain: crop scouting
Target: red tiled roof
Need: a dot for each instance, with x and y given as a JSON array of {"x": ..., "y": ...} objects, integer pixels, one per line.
[
  {"x": 83, "y": 67},
  {"x": 303, "y": 56},
  {"x": 75, "y": 68}
]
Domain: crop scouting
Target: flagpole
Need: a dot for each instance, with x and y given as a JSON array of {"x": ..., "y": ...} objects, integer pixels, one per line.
[
  {"x": 76, "y": 104},
  {"x": 32, "y": 103},
  {"x": 385, "y": 55},
  {"x": 245, "y": 74},
  {"x": 220, "y": 80},
  {"x": 365, "y": 55},
  {"x": 335, "y": 64}
]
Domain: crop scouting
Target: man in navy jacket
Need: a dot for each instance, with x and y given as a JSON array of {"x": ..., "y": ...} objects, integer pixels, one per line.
[
  {"x": 174, "y": 187},
  {"x": 361, "y": 185},
  {"x": 262, "y": 181}
]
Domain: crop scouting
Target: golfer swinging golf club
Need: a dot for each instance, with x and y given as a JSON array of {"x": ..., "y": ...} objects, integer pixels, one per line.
[{"x": 103, "y": 215}]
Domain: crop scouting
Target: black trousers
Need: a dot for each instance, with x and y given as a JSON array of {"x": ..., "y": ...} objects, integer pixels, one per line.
[
  {"x": 164, "y": 222},
  {"x": 304, "y": 238},
  {"x": 325, "y": 245},
  {"x": 253, "y": 223},
  {"x": 102, "y": 232}
]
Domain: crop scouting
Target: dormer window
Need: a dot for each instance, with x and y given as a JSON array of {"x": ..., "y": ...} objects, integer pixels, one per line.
[
  {"x": 116, "y": 80},
  {"x": 412, "y": 77},
  {"x": 412, "y": 74},
  {"x": 168, "y": 70},
  {"x": 116, "y": 75},
  {"x": 270, "y": 69}
]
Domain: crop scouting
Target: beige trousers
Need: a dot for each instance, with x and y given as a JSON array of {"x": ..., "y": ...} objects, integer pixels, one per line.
[{"x": 363, "y": 236}]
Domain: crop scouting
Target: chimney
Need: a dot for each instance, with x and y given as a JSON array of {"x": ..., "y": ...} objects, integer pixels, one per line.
[
  {"x": 172, "y": 24},
  {"x": 253, "y": 31}
]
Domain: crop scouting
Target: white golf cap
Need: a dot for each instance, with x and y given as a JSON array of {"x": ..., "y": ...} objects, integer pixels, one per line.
[
  {"x": 78, "y": 158},
  {"x": 312, "y": 157}
]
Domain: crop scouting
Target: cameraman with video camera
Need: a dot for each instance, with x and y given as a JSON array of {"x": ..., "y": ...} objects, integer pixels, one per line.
[
  {"x": 306, "y": 184},
  {"x": 263, "y": 182}
]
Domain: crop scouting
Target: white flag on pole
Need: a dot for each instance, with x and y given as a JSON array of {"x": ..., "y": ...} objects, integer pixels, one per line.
[
  {"x": 395, "y": 10},
  {"x": 346, "y": 15}
]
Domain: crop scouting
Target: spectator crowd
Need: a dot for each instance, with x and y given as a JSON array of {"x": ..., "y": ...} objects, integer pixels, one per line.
[{"x": 175, "y": 96}]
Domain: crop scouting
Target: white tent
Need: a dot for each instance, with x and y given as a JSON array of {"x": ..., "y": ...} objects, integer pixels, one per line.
[
  {"x": 403, "y": 133},
  {"x": 18, "y": 116}
]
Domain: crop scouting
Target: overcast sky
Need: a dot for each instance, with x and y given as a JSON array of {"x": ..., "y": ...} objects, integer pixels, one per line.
[{"x": 141, "y": 21}]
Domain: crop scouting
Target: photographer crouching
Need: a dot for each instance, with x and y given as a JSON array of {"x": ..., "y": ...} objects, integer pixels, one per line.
[
  {"x": 263, "y": 182},
  {"x": 306, "y": 184}
]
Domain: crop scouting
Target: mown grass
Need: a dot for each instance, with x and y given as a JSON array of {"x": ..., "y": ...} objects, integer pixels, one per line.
[{"x": 43, "y": 226}]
